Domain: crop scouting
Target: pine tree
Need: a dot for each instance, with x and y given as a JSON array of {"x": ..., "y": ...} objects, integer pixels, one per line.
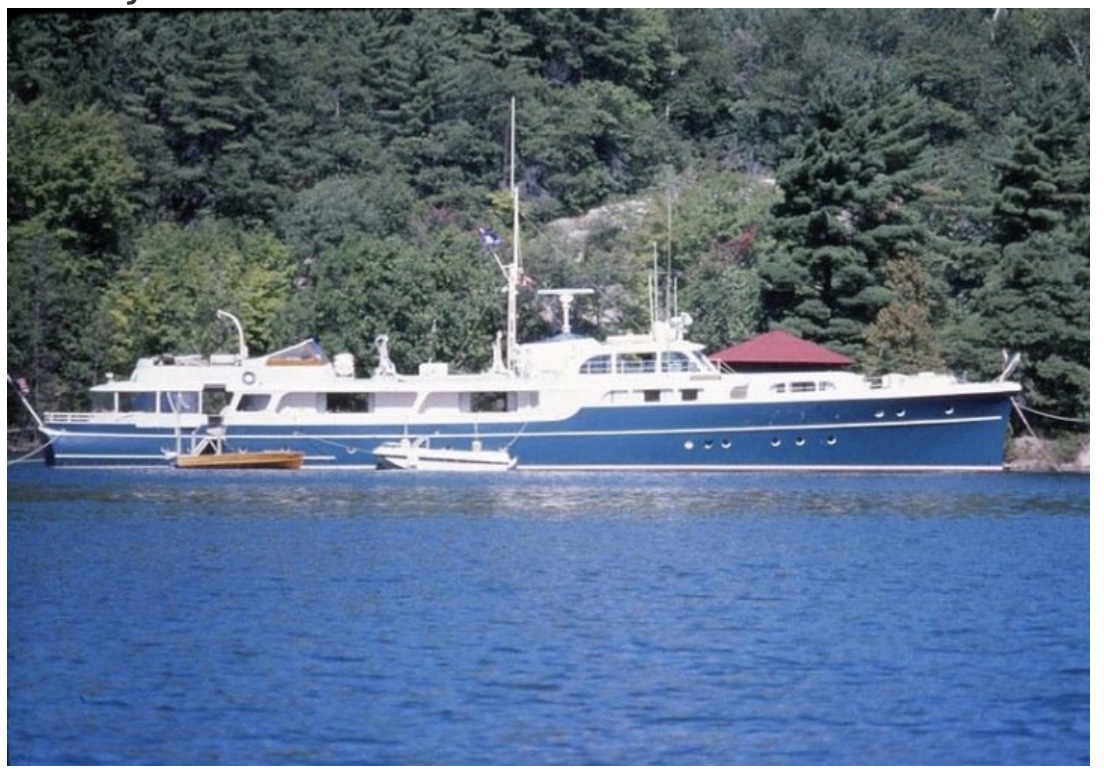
[
  {"x": 1036, "y": 301},
  {"x": 845, "y": 213}
]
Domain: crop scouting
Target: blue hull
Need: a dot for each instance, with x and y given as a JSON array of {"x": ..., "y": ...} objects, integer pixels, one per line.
[{"x": 964, "y": 432}]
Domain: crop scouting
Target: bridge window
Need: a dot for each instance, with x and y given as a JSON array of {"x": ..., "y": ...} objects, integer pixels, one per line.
[
  {"x": 636, "y": 363},
  {"x": 675, "y": 361},
  {"x": 599, "y": 364}
]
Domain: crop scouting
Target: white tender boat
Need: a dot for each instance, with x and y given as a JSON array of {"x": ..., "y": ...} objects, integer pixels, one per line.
[{"x": 418, "y": 455}]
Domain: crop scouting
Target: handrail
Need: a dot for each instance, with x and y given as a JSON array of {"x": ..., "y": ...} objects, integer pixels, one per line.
[{"x": 50, "y": 417}]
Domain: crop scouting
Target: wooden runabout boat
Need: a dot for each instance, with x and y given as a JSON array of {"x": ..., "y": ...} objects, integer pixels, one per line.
[{"x": 209, "y": 453}]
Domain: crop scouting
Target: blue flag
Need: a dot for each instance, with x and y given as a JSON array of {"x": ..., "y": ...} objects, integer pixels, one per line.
[{"x": 489, "y": 238}]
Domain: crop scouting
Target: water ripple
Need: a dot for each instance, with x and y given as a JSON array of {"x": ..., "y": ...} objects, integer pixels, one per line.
[{"x": 355, "y": 618}]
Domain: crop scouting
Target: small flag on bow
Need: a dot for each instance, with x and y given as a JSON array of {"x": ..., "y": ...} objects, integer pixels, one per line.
[{"x": 489, "y": 238}]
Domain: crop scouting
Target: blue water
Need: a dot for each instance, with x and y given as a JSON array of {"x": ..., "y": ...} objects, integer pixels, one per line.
[{"x": 174, "y": 617}]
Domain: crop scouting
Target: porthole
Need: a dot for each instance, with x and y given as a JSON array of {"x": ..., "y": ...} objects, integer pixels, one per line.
[
  {"x": 880, "y": 414},
  {"x": 708, "y": 444},
  {"x": 688, "y": 445},
  {"x": 901, "y": 412},
  {"x": 726, "y": 443},
  {"x": 800, "y": 441},
  {"x": 776, "y": 442},
  {"x": 949, "y": 411},
  {"x": 832, "y": 441}
]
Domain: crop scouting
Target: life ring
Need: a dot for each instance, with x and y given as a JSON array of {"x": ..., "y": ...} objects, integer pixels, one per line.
[{"x": 249, "y": 378}]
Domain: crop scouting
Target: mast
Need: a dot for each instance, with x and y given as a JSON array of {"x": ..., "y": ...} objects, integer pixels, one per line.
[{"x": 515, "y": 266}]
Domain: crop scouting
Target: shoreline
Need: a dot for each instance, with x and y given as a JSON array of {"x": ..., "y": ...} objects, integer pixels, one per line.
[{"x": 1033, "y": 454}]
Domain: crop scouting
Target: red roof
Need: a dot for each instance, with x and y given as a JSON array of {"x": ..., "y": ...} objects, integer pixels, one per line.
[{"x": 779, "y": 348}]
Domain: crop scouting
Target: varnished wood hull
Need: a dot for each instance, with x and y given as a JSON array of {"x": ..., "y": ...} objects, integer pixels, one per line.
[{"x": 272, "y": 459}]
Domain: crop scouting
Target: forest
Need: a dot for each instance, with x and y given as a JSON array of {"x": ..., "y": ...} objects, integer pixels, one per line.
[{"x": 909, "y": 187}]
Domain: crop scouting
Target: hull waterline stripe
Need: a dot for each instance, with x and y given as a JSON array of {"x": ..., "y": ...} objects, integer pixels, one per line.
[{"x": 765, "y": 468}]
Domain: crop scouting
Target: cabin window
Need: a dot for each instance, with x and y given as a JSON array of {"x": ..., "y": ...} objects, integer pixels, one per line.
[
  {"x": 827, "y": 386},
  {"x": 137, "y": 402},
  {"x": 802, "y": 387},
  {"x": 301, "y": 402},
  {"x": 349, "y": 403},
  {"x": 173, "y": 401},
  {"x": 599, "y": 364},
  {"x": 636, "y": 363},
  {"x": 651, "y": 396},
  {"x": 674, "y": 361},
  {"x": 689, "y": 395},
  {"x": 739, "y": 393},
  {"x": 778, "y": 387},
  {"x": 488, "y": 402},
  {"x": 254, "y": 402},
  {"x": 103, "y": 402}
]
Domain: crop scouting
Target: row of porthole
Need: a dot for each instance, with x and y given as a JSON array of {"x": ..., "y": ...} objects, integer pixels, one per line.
[
  {"x": 776, "y": 442},
  {"x": 901, "y": 412},
  {"x": 689, "y": 445}
]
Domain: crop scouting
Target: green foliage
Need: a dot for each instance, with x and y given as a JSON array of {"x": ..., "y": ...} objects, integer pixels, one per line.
[
  {"x": 70, "y": 209},
  {"x": 55, "y": 336},
  {"x": 902, "y": 337},
  {"x": 434, "y": 300},
  {"x": 165, "y": 300},
  {"x": 845, "y": 213},
  {"x": 1036, "y": 298},
  {"x": 71, "y": 172},
  {"x": 597, "y": 141},
  {"x": 932, "y": 169},
  {"x": 600, "y": 251},
  {"x": 709, "y": 229}
]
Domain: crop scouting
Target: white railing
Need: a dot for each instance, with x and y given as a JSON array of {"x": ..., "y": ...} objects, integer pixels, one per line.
[
  {"x": 85, "y": 417},
  {"x": 67, "y": 417}
]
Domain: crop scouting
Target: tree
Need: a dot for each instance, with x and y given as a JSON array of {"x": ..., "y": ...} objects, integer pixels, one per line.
[
  {"x": 719, "y": 54},
  {"x": 845, "y": 212},
  {"x": 587, "y": 144},
  {"x": 433, "y": 296},
  {"x": 633, "y": 48},
  {"x": 708, "y": 228},
  {"x": 902, "y": 337},
  {"x": 71, "y": 172},
  {"x": 1036, "y": 300},
  {"x": 165, "y": 300},
  {"x": 70, "y": 206}
]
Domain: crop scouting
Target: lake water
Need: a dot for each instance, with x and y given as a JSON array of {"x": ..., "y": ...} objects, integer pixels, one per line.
[{"x": 309, "y": 617}]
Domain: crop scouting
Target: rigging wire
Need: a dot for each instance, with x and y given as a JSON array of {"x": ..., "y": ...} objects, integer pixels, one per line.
[{"x": 1049, "y": 416}]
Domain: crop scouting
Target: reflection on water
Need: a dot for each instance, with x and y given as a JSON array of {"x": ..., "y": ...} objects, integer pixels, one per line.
[
  {"x": 165, "y": 617},
  {"x": 567, "y": 496}
]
